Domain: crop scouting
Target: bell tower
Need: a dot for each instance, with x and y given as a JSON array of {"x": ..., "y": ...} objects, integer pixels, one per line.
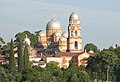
[{"x": 74, "y": 40}]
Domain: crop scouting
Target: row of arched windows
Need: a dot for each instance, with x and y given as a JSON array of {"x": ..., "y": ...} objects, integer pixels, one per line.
[{"x": 76, "y": 33}]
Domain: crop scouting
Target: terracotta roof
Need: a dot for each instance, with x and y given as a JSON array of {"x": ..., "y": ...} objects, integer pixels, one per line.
[
  {"x": 40, "y": 62},
  {"x": 67, "y": 54},
  {"x": 58, "y": 54},
  {"x": 41, "y": 56}
]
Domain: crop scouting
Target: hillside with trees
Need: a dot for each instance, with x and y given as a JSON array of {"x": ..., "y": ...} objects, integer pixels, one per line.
[{"x": 103, "y": 66}]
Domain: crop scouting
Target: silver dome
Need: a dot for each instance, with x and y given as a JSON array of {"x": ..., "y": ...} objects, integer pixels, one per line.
[
  {"x": 74, "y": 15},
  {"x": 53, "y": 24}
]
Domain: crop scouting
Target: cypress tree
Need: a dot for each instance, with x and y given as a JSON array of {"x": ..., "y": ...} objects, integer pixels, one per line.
[
  {"x": 11, "y": 57},
  {"x": 26, "y": 57},
  {"x": 20, "y": 56}
]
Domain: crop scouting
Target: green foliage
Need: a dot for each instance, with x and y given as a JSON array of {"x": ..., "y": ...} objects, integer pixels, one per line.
[
  {"x": 11, "y": 57},
  {"x": 82, "y": 67},
  {"x": 20, "y": 56},
  {"x": 73, "y": 69},
  {"x": 6, "y": 76},
  {"x": 26, "y": 62},
  {"x": 30, "y": 74},
  {"x": 31, "y": 36},
  {"x": 2, "y": 41},
  {"x": 89, "y": 47},
  {"x": 83, "y": 76},
  {"x": 74, "y": 78},
  {"x": 37, "y": 32},
  {"x": 18, "y": 77},
  {"x": 117, "y": 51},
  {"x": 52, "y": 66},
  {"x": 98, "y": 65},
  {"x": 108, "y": 57},
  {"x": 117, "y": 71}
]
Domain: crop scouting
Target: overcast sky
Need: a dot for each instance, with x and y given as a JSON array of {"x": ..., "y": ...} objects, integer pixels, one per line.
[{"x": 100, "y": 19}]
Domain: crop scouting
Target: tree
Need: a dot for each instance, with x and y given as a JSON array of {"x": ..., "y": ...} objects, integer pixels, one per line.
[
  {"x": 83, "y": 76},
  {"x": 31, "y": 36},
  {"x": 89, "y": 47},
  {"x": 72, "y": 67},
  {"x": 30, "y": 74},
  {"x": 11, "y": 57},
  {"x": 6, "y": 76},
  {"x": 20, "y": 56},
  {"x": 26, "y": 57},
  {"x": 108, "y": 61},
  {"x": 117, "y": 70},
  {"x": 98, "y": 65},
  {"x": 1, "y": 42},
  {"x": 74, "y": 78},
  {"x": 37, "y": 32},
  {"x": 52, "y": 65},
  {"x": 117, "y": 51}
]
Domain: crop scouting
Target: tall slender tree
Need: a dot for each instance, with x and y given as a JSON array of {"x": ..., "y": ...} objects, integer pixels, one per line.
[
  {"x": 11, "y": 57},
  {"x": 26, "y": 57},
  {"x": 20, "y": 56}
]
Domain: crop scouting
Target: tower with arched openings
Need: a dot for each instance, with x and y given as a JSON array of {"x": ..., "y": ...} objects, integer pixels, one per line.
[{"x": 74, "y": 41}]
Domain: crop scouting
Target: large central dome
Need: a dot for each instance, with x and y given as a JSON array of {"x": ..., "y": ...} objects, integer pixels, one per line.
[
  {"x": 53, "y": 24},
  {"x": 52, "y": 27}
]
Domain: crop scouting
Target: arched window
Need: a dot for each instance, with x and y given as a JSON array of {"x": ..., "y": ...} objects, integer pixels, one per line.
[
  {"x": 71, "y": 33},
  {"x": 76, "y": 33},
  {"x": 76, "y": 45}
]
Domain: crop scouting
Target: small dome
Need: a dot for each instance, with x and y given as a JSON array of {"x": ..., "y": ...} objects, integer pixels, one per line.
[
  {"x": 63, "y": 39},
  {"x": 114, "y": 47},
  {"x": 65, "y": 34},
  {"x": 74, "y": 15},
  {"x": 56, "y": 34},
  {"x": 27, "y": 40},
  {"x": 53, "y": 24},
  {"x": 42, "y": 33},
  {"x": 91, "y": 52}
]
